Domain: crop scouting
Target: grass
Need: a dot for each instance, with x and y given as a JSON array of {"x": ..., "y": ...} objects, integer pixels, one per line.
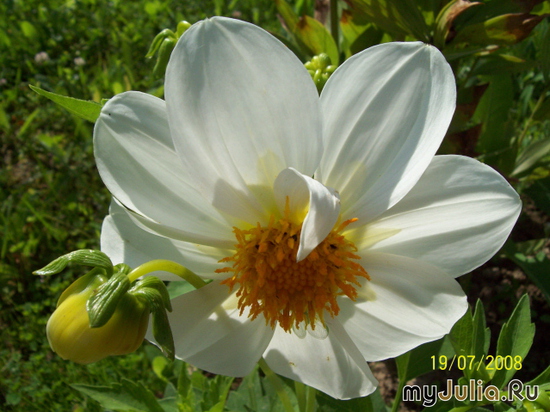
[
  {"x": 51, "y": 197},
  {"x": 52, "y": 200}
]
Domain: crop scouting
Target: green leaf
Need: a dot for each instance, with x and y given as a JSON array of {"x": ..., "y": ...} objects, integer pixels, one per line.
[
  {"x": 543, "y": 378},
  {"x": 515, "y": 339},
  {"x": 29, "y": 31},
  {"x": 502, "y": 407},
  {"x": 537, "y": 267},
  {"x": 461, "y": 335},
  {"x": 401, "y": 17},
  {"x": 169, "y": 404},
  {"x": 253, "y": 395},
  {"x": 86, "y": 257},
  {"x": 500, "y": 64},
  {"x": 491, "y": 9},
  {"x": 542, "y": 39},
  {"x": 310, "y": 34},
  {"x": 543, "y": 111},
  {"x": 420, "y": 360},
  {"x": 493, "y": 114},
  {"x": 86, "y": 109},
  {"x": 358, "y": 33},
  {"x": 125, "y": 396},
  {"x": 445, "y": 19},
  {"x": 539, "y": 191},
  {"x": 470, "y": 337},
  {"x": 481, "y": 334},
  {"x": 371, "y": 403},
  {"x": 529, "y": 158},
  {"x": 178, "y": 288},
  {"x": 287, "y": 14},
  {"x": 316, "y": 38},
  {"x": 503, "y": 30}
]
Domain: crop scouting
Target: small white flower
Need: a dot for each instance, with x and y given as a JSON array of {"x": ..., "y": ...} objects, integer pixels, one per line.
[
  {"x": 79, "y": 61},
  {"x": 41, "y": 57},
  {"x": 324, "y": 214}
]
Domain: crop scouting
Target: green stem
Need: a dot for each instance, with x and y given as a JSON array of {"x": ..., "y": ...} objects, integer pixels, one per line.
[
  {"x": 334, "y": 23},
  {"x": 301, "y": 395},
  {"x": 277, "y": 384},
  {"x": 311, "y": 394},
  {"x": 397, "y": 400},
  {"x": 167, "y": 266}
]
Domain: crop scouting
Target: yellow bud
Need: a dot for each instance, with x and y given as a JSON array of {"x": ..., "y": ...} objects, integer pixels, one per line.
[{"x": 71, "y": 337}]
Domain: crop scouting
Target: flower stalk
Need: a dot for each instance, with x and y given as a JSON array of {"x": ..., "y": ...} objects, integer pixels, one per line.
[{"x": 163, "y": 265}]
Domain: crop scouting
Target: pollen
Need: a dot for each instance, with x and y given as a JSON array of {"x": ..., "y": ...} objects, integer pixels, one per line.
[{"x": 270, "y": 282}]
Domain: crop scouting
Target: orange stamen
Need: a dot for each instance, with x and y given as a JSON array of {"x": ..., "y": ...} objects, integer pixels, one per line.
[{"x": 272, "y": 284}]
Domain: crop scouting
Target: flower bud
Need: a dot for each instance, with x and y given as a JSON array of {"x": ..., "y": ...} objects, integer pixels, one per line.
[
  {"x": 69, "y": 332},
  {"x": 320, "y": 69},
  {"x": 182, "y": 27}
]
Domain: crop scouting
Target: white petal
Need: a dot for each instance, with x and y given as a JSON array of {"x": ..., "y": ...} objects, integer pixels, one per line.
[
  {"x": 385, "y": 113},
  {"x": 137, "y": 161},
  {"x": 306, "y": 194},
  {"x": 225, "y": 240},
  {"x": 457, "y": 216},
  {"x": 125, "y": 242},
  {"x": 241, "y": 108},
  {"x": 333, "y": 365},
  {"x": 213, "y": 339},
  {"x": 405, "y": 304}
]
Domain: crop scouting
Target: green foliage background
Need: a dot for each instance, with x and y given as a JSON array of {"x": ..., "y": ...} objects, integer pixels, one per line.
[{"x": 53, "y": 201}]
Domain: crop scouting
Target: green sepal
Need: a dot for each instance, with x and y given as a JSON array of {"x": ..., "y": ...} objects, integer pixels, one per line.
[
  {"x": 163, "y": 57},
  {"x": 155, "y": 283},
  {"x": 85, "y": 109},
  {"x": 161, "y": 326},
  {"x": 86, "y": 257},
  {"x": 122, "y": 268},
  {"x": 159, "y": 38},
  {"x": 103, "y": 303}
]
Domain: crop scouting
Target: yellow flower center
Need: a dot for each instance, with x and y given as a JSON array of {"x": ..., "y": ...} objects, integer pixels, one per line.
[{"x": 287, "y": 292}]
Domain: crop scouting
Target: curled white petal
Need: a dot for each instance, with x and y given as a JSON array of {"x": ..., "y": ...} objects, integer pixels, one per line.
[{"x": 306, "y": 194}]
